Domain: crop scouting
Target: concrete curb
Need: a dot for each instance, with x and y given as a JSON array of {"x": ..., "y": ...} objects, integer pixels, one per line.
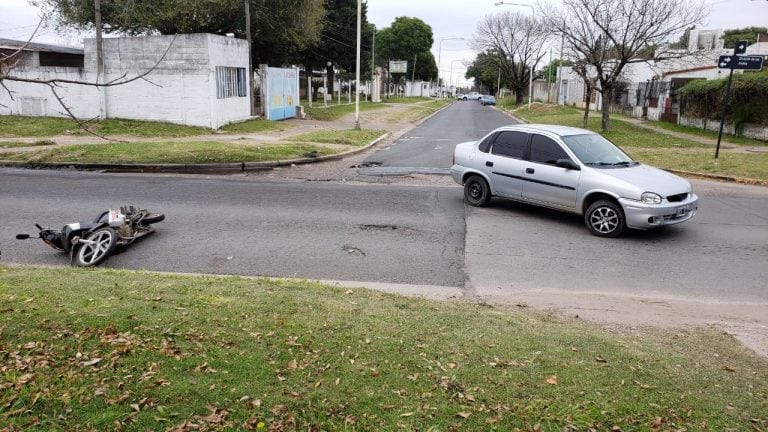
[{"x": 211, "y": 168}]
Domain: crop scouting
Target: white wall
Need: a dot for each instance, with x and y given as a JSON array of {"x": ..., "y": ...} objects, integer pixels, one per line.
[{"x": 180, "y": 89}]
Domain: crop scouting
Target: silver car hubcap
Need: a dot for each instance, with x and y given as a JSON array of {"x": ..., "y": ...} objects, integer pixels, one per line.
[
  {"x": 96, "y": 248},
  {"x": 604, "y": 220}
]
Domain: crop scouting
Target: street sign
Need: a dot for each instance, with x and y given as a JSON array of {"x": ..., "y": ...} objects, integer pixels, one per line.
[
  {"x": 741, "y": 47},
  {"x": 398, "y": 66},
  {"x": 740, "y": 62}
]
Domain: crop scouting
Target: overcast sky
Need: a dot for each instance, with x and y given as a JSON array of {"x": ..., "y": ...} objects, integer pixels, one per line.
[{"x": 448, "y": 19}]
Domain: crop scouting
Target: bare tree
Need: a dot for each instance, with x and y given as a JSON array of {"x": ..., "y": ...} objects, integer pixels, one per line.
[
  {"x": 609, "y": 34},
  {"x": 519, "y": 39}
]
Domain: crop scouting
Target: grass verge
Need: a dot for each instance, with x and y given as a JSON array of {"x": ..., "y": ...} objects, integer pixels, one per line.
[
  {"x": 418, "y": 111},
  {"x": 22, "y": 126},
  {"x": 37, "y": 143},
  {"x": 659, "y": 149},
  {"x": 350, "y": 137},
  {"x": 708, "y": 134},
  {"x": 170, "y": 152},
  {"x": 335, "y": 112},
  {"x": 256, "y": 125},
  {"x": 407, "y": 100},
  {"x": 101, "y": 349}
]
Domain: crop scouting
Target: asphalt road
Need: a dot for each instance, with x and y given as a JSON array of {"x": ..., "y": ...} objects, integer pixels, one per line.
[
  {"x": 428, "y": 148},
  {"x": 230, "y": 225}
]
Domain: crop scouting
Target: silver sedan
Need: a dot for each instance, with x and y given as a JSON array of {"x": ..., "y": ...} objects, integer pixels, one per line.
[{"x": 574, "y": 170}]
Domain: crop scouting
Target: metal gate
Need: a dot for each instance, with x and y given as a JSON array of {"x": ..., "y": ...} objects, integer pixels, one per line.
[{"x": 280, "y": 92}]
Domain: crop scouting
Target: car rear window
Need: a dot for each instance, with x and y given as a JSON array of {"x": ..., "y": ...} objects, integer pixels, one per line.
[{"x": 485, "y": 145}]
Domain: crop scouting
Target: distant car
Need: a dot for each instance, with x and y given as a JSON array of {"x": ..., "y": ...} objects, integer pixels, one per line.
[
  {"x": 461, "y": 96},
  {"x": 487, "y": 100},
  {"x": 573, "y": 170},
  {"x": 474, "y": 96}
]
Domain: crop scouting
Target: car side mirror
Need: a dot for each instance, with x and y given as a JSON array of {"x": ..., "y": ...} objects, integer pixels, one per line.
[
  {"x": 567, "y": 164},
  {"x": 22, "y": 236}
]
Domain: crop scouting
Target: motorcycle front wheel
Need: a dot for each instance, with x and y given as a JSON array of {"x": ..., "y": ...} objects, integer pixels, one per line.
[
  {"x": 152, "y": 218},
  {"x": 95, "y": 248}
]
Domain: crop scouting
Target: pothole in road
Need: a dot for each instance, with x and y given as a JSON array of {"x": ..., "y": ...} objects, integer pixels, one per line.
[
  {"x": 353, "y": 250},
  {"x": 384, "y": 227},
  {"x": 368, "y": 165}
]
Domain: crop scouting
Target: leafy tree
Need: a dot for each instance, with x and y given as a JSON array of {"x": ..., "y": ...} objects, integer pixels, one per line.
[
  {"x": 485, "y": 70},
  {"x": 518, "y": 39},
  {"x": 338, "y": 40},
  {"x": 280, "y": 28},
  {"x": 730, "y": 37},
  {"x": 550, "y": 70},
  {"x": 408, "y": 38},
  {"x": 609, "y": 34}
]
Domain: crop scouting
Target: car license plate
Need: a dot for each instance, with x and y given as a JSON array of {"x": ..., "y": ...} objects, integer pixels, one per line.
[{"x": 682, "y": 211}]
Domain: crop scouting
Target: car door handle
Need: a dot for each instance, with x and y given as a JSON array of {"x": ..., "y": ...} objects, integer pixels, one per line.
[
  {"x": 488, "y": 163},
  {"x": 530, "y": 170}
]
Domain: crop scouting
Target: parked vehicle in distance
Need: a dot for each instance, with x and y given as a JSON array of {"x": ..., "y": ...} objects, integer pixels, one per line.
[
  {"x": 474, "y": 95},
  {"x": 487, "y": 100},
  {"x": 573, "y": 170},
  {"x": 461, "y": 96}
]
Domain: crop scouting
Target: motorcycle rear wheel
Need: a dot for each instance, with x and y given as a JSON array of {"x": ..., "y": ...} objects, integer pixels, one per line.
[{"x": 92, "y": 254}]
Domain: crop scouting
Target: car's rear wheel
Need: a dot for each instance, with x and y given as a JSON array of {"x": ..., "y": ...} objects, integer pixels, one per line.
[
  {"x": 605, "y": 218},
  {"x": 476, "y": 191}
]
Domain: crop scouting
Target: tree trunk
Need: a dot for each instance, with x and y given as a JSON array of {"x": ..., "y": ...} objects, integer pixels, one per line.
[
  {"x": 329, "y": 71},
  {"x": 585, "y": 121},
  {"x": 606, "y": 121},
  {"x": 519, "y": 96}
]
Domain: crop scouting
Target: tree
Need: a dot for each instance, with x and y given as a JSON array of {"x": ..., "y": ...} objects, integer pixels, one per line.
[
  {"x": 338, "y": 40},
  {"x": 550, "y": 70},
  {"x": 280, "y": 28},
  {"x": 518, "y": 39},
  {"x": 609, "y": 34},
  {"x": 408, "y": 39},
  {"x": 730, "y": 37},
  {"x": 486, "y": 70}
]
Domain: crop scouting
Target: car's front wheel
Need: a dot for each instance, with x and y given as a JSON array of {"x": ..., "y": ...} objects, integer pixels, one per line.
[
  {"x": 476, "y": 191},
  {"x": 605, "y": 219}
]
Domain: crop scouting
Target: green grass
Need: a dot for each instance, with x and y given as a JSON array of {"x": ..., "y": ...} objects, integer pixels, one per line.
[
  {"x": 170, "y": 152},
  {"x": 99, "y": 349},
  {"x": 407, "y": 100},
  {"x": 14, "y": 144},
  {"x": 350, "y": 137},
  {"x": 708, "y": 134},
  {"x": 734, "y": 164},
  {"x": 22, "y": 126},
  {"x": 335, "y": 112},
  {"x": 418, "y": 111},
  {"x": 656, "y": 148},
  {"x": 256, "y": 125}
]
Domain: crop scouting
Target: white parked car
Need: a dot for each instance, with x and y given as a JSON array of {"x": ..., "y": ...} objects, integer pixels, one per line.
[{"x": 574, "y": 170}]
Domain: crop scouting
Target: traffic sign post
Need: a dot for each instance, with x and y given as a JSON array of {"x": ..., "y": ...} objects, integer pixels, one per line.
[{"x": 740, "y": 62}]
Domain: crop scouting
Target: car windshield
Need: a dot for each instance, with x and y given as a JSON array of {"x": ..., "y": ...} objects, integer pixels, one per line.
[{"x": 595, "y": 150}]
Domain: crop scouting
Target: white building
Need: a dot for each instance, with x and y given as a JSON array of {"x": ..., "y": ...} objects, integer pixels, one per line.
[{"x": 193, "y": 79}]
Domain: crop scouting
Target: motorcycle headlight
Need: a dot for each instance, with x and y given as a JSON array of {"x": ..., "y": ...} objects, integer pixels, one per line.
[{"x": 650, "y": 198}]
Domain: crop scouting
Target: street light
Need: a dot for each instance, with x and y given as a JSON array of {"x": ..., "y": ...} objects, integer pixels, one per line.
[
  {"x": 357, "y": 69},
  {"x": 450, "y": 79},
  {"x": 439, "y": 53},
  {"x": 530, "y": 75}
]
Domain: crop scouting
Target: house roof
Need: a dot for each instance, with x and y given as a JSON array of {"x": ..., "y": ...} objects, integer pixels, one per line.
[
  {"x": 34, "y": 46},
  {"x": 696, "y": 69}
]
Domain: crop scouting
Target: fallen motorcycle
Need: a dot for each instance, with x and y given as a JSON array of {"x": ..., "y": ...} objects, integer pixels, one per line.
[{"x": 89, "y": 244}]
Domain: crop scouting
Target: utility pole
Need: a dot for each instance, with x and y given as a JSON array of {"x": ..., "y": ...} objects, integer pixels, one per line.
[
  {"x": 250, "y": 64},
  {"x": 100, "y": 59},
  {"x": 357, "y": 69}
]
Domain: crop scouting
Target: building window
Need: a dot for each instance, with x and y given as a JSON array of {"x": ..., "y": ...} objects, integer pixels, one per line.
[{"x": 230, "y": 82}]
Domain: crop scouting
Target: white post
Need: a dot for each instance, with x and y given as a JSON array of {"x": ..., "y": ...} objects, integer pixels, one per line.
[
  {"x": 530, "y": 88},
  {"x": 325, "y": 89},
  {"x": 357, "y": 69},
  {"x": 309, "y": 86}
]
